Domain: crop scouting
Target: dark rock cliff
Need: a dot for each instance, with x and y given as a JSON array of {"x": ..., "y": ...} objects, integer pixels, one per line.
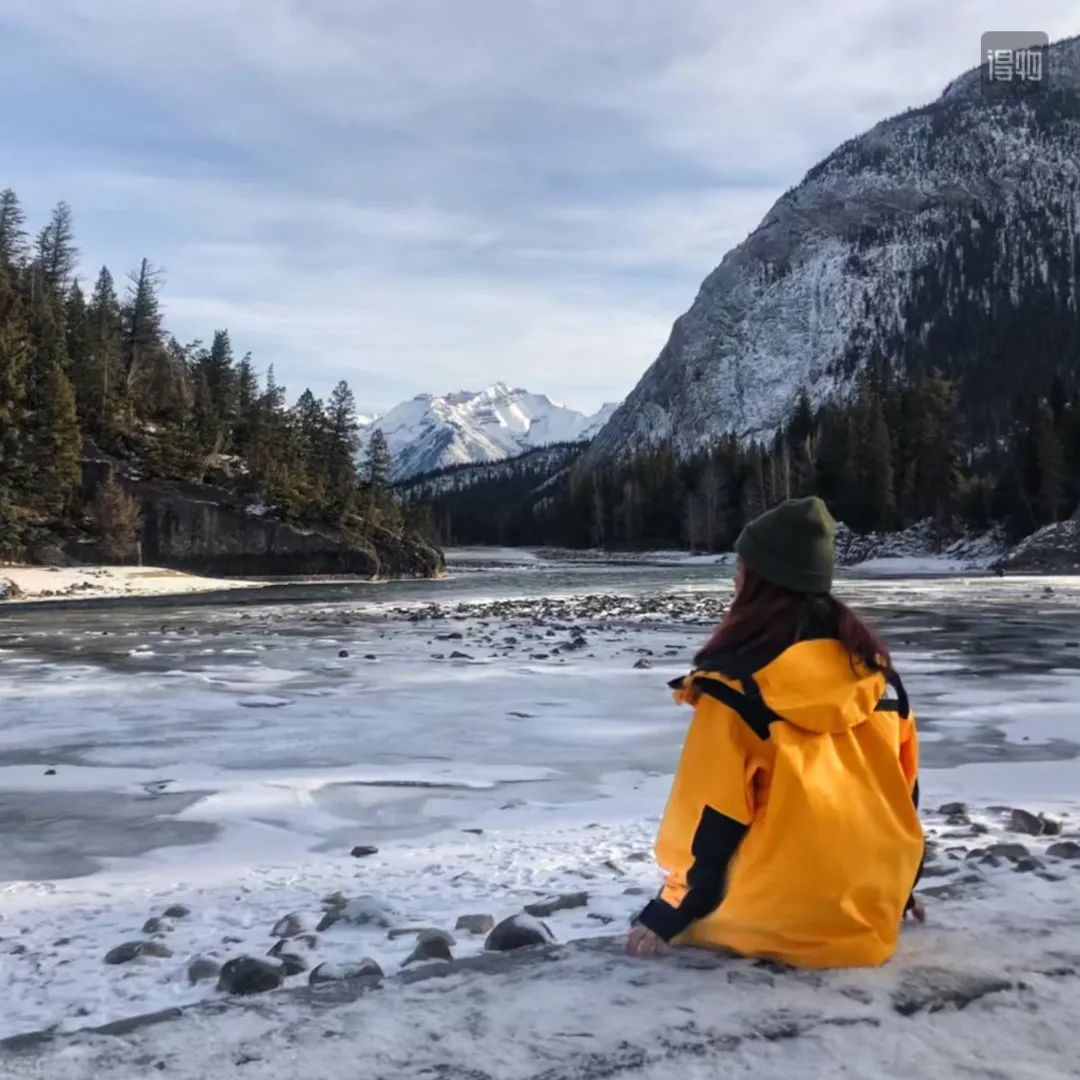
[{"x": 211, "y": 530}]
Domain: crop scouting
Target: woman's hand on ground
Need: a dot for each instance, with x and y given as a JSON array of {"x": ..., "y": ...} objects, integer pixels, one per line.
[
  {"x": 643, "y": 942},
  {"x": 917, "y": 910}
]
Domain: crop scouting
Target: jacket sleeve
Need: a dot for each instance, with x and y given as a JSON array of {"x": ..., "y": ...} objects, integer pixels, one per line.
[{"x": 708, "y": 813}]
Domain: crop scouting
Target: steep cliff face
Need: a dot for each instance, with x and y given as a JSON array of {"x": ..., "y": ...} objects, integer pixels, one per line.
[
  {"x": 210, "y": 530},
  {"x": 198, "y": 527},
  {"x": 946, "y": 236}
]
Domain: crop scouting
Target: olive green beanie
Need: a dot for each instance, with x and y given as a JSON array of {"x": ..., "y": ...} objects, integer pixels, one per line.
[{"x": 791, "y": 545}]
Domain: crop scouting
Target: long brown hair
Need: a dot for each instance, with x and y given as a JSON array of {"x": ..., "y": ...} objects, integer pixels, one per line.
[{"x": 764, "y": 619}]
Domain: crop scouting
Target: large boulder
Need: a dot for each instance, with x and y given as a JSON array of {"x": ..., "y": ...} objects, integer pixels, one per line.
[
  {"x": 329, "y": 972},
  {"x": 429, "y": 948},
  {"x": 202, "y": 969},
  {"x": 359, "y": 911},
  {"x": 130, "y": 950},
  {"x": 518, "y": 932},
  {"x": 249, "y": 975},
  {"x": 475, "y": 924},
  {"x": 542, "y": 909}
]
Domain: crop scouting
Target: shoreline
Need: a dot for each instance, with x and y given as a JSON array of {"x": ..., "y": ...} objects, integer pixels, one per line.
[
  {"x": 83, "y": 585},
  {"x": 37, "y": 584}
]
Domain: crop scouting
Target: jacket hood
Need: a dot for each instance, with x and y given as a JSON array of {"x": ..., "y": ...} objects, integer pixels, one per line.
[{"x": 813, "y": 684}]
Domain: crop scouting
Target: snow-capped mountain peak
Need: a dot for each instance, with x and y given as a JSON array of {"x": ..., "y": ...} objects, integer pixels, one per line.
[{"x": 432, "y": 431}]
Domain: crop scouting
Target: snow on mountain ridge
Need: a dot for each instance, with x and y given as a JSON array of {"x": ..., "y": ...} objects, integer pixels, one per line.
[
  {"x": 827, "y": 279},
  {"x": 433, "y": 431}
]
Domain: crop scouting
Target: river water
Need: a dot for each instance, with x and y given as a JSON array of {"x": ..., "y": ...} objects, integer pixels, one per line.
[
  {"x": 145, "y": 708},
  {"x": 500, "y": 734}
]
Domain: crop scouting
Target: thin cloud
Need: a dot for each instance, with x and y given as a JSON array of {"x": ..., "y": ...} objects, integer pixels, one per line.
[{"x": 430, "y": 195}]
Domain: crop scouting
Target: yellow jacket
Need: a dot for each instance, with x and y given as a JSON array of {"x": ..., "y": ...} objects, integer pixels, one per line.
[{"x": 792, "y": 828}]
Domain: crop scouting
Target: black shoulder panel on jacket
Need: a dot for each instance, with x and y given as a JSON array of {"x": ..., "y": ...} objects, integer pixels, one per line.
[
  {"x": 751, "y": 708},
  {"x": 902, "y": 705}
]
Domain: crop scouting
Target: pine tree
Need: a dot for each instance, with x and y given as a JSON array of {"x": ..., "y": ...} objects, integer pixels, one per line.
[
  {"x": 1049, "y": 496},
  {"x": 170, "y": 443},
  {"x": 312, "y": 427},
  {"x": 15, "y": 351},
  {"x": 209, "y": 434},
  {"x": 12, "y": 233},
  {"x": 56, "y": 251},
  {"x": 341, "y": 443},
  {"x": 247, "y": 403},
  {"x": 871, "y": 504},
  {"x": 142, "y": 336},
  {"x": 274, "y": 458},
  {"x": 217, "y": 366},
  {"x": 931, "y": 458},
  {"x": 377, "y": 461},
  {"x": 100, "y": 386},
  {"x": 834, "y": 465},
  {"x": 754, "y": 496},
  {"x": 77, "y": 334},
  {"x": 799, "y": 445},
  {"x": 53, "y": 442}
]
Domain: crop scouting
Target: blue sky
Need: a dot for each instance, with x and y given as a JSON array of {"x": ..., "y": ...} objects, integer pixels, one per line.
[{"x": 418, "y": 195}]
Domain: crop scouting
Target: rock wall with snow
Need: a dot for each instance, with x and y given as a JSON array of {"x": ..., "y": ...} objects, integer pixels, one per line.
[
  {"x": 969, "y": 549},
  {"x": 871, "y": 256},
  {"x": 1053, "y": 549}
]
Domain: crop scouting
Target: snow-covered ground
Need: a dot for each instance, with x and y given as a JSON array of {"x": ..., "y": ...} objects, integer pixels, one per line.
[
  {"x": 915, "y": 566},
  {"x": 989, "y": 987},
  {"x": 492, "y": 736},
  {"x": 972, "y": 560},
  {"x": 84, "y": 582}
]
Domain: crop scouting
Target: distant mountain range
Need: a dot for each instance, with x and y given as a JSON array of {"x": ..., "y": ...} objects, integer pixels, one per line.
[{"x": 433, "y": 432}]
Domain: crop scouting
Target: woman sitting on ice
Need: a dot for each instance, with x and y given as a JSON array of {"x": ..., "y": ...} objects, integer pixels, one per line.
[{"x": 792, "y": 829}]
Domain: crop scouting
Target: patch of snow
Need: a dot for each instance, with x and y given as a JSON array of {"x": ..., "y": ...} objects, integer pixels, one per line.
[
  {"x": 988, "y": 985},
  {"x": 84, "y": 582}
]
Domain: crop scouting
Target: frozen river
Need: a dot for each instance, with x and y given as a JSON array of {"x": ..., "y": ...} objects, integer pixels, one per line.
[{"x": 230, "y": 750}]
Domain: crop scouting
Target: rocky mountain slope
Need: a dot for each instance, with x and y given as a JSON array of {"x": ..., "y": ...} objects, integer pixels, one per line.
[
  {"x": 534, "y": 467},
  {"x": 946, "y": 236},
  {"x": 433, "y": 432}
]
